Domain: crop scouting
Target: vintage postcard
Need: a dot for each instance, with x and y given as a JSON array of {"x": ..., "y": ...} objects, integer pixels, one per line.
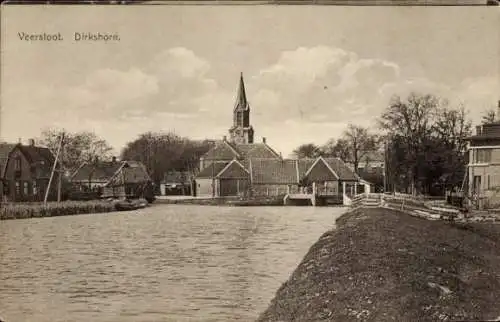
[{"x": 249, "y": 162}]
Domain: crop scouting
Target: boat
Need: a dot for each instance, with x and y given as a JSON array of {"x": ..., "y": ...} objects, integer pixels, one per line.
[{"x": 130, "y": 204}]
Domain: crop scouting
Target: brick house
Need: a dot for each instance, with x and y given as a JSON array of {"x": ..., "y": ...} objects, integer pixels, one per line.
[
  {"x": 116, "y": 179},
  {"x": 483, "y": 168},
  {"x": 26, "y": 172}
]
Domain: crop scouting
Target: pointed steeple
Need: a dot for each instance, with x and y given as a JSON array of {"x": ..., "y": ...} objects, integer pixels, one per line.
[{"x": 241, "y": 96}]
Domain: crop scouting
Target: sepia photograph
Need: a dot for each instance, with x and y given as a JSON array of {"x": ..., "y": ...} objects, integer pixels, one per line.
[{"x": 249, "y": 163}]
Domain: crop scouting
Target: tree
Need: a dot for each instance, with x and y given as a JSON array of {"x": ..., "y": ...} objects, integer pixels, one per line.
[
  {"x": 338, "y": 149},
  {"x": 359, "y": 141},
  {"x": 77, "y": 147},
  {"x": 163, "y": 152},
  {"x": 411, "y": 122},
  {"x": 426, "y": 142},
  {"x": 308, "y": 150}
]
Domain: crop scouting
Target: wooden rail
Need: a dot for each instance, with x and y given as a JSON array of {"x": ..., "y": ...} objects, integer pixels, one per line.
[{"x": 413, "y": 205}]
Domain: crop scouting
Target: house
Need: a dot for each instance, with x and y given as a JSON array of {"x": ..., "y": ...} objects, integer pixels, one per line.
[
  {"x": 5, "y": 149},
  {"x": 223, "y": 179},
  {"x": 26, "y": 171},
  {"x": 370, "y": 162},
  {"x": 483, "y": 169},
  {"x": 115, "y": 179},
  {"x": 176, "y": 183},
  {"x": 271, "y": 177}
]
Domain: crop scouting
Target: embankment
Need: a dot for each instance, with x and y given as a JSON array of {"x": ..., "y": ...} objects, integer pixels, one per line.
[
  {"x": 51, "y": 209},
  {"x": 225, "y": 201},
  {"x": 383, "y": 265}
]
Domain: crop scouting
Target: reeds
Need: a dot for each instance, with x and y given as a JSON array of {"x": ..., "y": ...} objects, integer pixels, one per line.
[{"x": 51, "y": 209}]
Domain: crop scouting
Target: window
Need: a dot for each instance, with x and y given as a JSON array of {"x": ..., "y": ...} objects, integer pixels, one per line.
[
  {"x": 35, "y": 188},
  {"x": 18, "y": 164},
  {"x": 482, "y": 156},
  {"x": 18, "y": 188},
  {"x": 25, "y": 188},
  {"x": 6, "y": 188}
]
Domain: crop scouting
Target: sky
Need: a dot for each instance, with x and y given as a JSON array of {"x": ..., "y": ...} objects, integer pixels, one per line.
[{"x": 309, "y": 70}]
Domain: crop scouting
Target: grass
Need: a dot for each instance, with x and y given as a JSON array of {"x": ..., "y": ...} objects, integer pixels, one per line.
[
  {"x": 66, "y": 208},
  {"x": 383, "y": 265},
  {"x": 228, "y": 201}
]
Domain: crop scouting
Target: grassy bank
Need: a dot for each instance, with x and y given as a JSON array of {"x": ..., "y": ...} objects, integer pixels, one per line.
[
  {"x": 226, "y": 201},
  {"x": 66, "y": 208},
  {"x": 382, "y": 265}
]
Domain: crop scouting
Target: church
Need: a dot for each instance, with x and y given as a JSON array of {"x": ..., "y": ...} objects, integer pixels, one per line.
[{"x": 238, "y": 166}]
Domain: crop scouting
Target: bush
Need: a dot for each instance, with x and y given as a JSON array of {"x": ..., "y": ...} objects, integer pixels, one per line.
[{"x": 66, "y": 208}]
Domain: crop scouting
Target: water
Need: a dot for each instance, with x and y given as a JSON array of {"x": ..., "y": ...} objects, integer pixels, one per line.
[{"x": 163, "y": 263}]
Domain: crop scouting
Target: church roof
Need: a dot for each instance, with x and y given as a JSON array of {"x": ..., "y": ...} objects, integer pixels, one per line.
[
  {"x": 225, "y": 150},
  {"x": 269, "y": 171},
  {"x": 241, "y": 96},
  {"x": 283, "y": 171},
  {"x": 222, "y": 150},
  {"x": 256, "y": 150}
]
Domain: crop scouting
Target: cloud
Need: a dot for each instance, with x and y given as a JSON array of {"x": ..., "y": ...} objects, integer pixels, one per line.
[
  {"x": 323, "y": 84},
  {"x": 310, "y": 92},
  {"x": 327, "y": 85}
]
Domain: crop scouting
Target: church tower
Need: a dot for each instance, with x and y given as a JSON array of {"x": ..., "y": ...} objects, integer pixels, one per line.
[{"x": 241, "y": 131}]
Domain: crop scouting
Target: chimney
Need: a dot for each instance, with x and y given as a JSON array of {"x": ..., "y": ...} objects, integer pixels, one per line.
[
  {"x": 264, "y": 140},
  {"x": 113, "y": 159},
  {"x": 31, "y": 142},
  {"x": 479, "y": 130}
]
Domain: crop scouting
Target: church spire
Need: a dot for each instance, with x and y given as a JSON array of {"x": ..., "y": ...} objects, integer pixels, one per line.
[{"x": 241, "y": 96}]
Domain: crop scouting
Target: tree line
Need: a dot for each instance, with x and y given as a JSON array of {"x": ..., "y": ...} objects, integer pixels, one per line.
[
  {"x": 159, "y": 152},
  {"x": 422, "y": 139}
]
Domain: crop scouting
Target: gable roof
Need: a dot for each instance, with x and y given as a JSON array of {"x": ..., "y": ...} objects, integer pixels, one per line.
[
  {"x": 37, "y": 153},
  {"x": 129, "y": 172},
  {"x": 272, "y": 171},
  {"x": 233, "y": 170},
  {"x": 225, "y": 150},
  {"x": 321, "y": 170},
  {"x": 5, "y": 149},
  {"x": 212, "y": 170},
  {"x": 222, "y": 150},
  {"x": 101, "y": 172},
  {"x": 341, "y": 169},
  {"x": 256, "y": 151},
  {"x": 40, "y": 157}
]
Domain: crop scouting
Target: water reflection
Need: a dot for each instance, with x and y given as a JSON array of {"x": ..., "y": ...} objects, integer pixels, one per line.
[{"x": 165, "y": 263}]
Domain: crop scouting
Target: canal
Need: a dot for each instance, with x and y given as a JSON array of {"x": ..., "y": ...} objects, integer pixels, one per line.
[{"x": 163, "y": 263}]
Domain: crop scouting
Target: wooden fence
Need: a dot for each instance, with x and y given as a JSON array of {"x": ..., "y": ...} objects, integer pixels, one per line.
[{"x": 417, "y": 206}]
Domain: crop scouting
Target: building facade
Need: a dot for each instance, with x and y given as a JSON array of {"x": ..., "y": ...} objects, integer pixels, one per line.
[
  {"x": 483, "y": 169},
  {"x": 26, "y": 172},
  {"x": 240, "y": 167},
  {"x": 113, "y": 179}
]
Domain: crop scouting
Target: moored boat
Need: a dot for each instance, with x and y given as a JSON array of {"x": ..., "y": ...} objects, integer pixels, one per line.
[{"x": 130, "y": 204}]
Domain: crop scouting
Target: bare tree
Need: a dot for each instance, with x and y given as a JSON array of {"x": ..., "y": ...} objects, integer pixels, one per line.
[
  {"x": 308, "y": 150},
  {"x": 411, "y": 122},
  {"x": 78, "y": 147},
  {"x": 359, "y": 141}
]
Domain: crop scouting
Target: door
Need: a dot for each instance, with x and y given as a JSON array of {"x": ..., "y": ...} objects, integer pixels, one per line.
[{"x": 477, "y": 185}]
